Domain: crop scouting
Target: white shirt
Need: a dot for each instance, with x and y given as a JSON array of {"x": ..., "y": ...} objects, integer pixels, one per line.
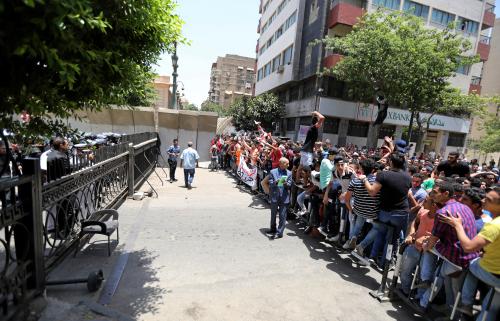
[
  {"x": 43, "y": 159},
  {"x": 189, "y": 157}
]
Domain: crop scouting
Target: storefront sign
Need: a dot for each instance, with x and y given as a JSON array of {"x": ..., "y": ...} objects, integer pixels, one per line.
[{"x": 351, "y": 110}]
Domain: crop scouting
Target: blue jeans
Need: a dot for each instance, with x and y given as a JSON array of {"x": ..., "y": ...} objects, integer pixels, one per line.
[
  {"x": 397, "y": 219},
  {"x": 300, "y": 200},
  {"x": 451, "y": 285},
  {"x": 357, "y": 224},
  {"x": 188, "y": 176},
  {"x": 476, "y": 273},
  {"x": 411, "y": 258},
  {"x": 372, "y": 235},
  {"x": 278, "y": 209}
]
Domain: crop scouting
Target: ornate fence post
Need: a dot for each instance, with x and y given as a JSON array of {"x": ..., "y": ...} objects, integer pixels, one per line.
[
  {"x": 31, "y": 196},
  {"x": 131, "y": 162}
]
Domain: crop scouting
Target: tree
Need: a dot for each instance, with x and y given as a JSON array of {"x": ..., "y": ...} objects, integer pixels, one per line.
[
  {"x": 266, "y": 109},
  {"x": 213, "y": 107},
  {"x": 451, "y": 102},
  {"x": 58, "y": 57},
  {"x": 490, "y": 142},
  {"x": 190, "y": 106},
  {"x": 396, "y": 56}
]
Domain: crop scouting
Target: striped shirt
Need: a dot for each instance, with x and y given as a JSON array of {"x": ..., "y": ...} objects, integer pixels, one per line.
[
  {"x": 449, "y": 245},
  {"x": 364, "y": 205}
]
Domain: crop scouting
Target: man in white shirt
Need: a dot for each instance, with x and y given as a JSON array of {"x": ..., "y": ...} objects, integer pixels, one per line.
[{"x": 189, "y": 161}]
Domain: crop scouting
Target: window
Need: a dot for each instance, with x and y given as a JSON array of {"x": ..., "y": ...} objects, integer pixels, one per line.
[
  {"x": 259, "y": 74},
  {"x": 294, "y": 95},
  {"x": 441, "y": 17},
  {"x": 386, "y": 130},
  {"x": 264, "y": 27},
  {"x": 456, "y": 139},
  {"x": 357, "y": 129},
  {"x": 269, "y": 42},
  {"x": 331, "y": 125},
  {"x": 267, "y": 69},
  {"x": 276, "y": 62},
  {"x": 291, "y": 20},
  {"x": 467, "y": 26},
  {"x": 305, "y": 121},
  {"x": 389, "y": 4},
  {"x": 416, "y": 9},
  {"x": 287, "y": 55},
  {"x": 464, "y": 69},
  {"x": 278, "y": 33},
  {"x": 290, "y": 124}
]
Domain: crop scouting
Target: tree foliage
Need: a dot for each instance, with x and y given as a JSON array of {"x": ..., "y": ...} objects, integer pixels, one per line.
[
  {"x": 395, "y": 55},
  {"x": 213, "y": 107},
  {"x": 266, "y": 109},
  {"x": 58, "y": 57},
  {"x": 490, "y": 142},
  {"x": 190, "y": 106}
]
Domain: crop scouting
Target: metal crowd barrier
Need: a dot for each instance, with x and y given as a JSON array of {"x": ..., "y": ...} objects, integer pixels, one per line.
[{"x": 40, "y": 223}]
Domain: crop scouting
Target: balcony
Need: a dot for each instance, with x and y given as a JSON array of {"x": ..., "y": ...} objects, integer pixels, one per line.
[
  {"x": 475, "y": 85},
  {"x": 489, "y": 17},
  {"x": 331, "y": 60},
  {"x": 344, "y": 13},
  {"x": 483, "y": 47}
]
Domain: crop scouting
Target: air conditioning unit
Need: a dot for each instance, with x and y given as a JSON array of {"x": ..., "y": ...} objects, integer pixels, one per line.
[{"x": 280, "y": 69}]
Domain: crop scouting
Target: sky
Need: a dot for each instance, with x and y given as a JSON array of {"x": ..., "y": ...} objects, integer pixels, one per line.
[{"x": 215, "y": 28}]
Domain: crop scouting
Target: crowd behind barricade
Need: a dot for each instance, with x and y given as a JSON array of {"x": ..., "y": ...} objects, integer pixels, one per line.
[
  {"x": 442, "y": 213},
  {"x": 59, "y": 155}
]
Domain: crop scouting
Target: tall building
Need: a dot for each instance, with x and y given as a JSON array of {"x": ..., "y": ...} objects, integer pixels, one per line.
[
  {"x": 162, "y": 86},
  {"x": 287, "y": 64},
  {"x": 488, "y": 85},
  {"x": 232, "y": 77}
]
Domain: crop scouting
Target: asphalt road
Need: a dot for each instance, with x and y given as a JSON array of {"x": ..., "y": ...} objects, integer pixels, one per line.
[{"x": 202, "y": 254}]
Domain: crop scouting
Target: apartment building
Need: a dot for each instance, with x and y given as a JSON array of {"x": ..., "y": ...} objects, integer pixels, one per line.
[
  {"x": 288, "y": 63},
  {"x": 232, "y": 77},
  {"x": 489, "y": 85}
]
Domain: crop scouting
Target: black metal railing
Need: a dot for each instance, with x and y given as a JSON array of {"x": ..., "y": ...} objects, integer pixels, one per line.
[{"x": 40, "y": 224}]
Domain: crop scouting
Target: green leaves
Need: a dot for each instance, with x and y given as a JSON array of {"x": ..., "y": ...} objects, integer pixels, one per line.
[
  {"x": 61, "y": 56},
  {"x": 266, "y": 109}
]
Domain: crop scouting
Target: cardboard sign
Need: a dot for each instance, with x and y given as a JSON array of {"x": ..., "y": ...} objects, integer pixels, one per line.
[{"x": 247, "y": 175}]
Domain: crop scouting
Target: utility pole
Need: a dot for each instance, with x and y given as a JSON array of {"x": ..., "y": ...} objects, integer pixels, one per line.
[{"x": 175, "y": 59}]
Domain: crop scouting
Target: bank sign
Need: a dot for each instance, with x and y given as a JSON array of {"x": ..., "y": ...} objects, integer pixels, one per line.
[{"x": 361, "y": 112}]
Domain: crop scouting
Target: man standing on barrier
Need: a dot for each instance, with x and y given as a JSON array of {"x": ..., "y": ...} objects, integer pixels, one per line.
[
  {"x": 173, "y": 152},
  {"x": 189, "y": 161},
  {"x": 279, "y": 184},
  {"x": 393, "y": 186}
]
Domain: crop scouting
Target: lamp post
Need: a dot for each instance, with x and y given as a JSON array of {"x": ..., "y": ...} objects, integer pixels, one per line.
[{"x": 175, "y": 59}]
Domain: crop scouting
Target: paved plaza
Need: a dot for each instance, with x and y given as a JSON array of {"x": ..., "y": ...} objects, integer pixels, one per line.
[{"x": 202, "y": 254}]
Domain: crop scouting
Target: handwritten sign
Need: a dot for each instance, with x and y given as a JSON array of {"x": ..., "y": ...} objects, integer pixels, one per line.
[{"x": 247, "y": 175}]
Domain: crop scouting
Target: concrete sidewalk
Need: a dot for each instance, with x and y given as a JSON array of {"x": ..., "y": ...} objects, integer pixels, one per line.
[{"x": 202, "y": 254}]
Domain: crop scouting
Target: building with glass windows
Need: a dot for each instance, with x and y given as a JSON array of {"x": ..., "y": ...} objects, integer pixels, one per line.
[
  {"x": 288, "y": 62},
  {"x": 232, "y": 77}
]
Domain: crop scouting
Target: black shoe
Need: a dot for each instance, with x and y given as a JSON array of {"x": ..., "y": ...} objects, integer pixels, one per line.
[
  {"x": 308, "y": 230},
  {"x": 175, "y": 180},
  {"x": 277, "y": 236},
  {"x": 189, "y": 186},
  {"x": 170, "y": 181},
  {"x": 270, "y": 231}
]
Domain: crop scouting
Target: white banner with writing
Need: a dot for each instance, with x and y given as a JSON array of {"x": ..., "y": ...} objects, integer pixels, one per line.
[{"x": 247, "y": 175}]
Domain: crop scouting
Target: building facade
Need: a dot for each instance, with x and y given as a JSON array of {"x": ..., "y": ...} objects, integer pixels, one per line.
[
  {"x": 288, "y": 61},
  {"x": 489, "y": 86},
  {"x": 162, "y": 86},
  {"x": 232, "y": 77}
]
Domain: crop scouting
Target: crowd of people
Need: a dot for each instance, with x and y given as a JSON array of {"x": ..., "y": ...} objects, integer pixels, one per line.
[{"x": 444, "y": 212}]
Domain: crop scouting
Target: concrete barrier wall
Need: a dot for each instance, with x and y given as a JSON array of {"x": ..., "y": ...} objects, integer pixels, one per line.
[{"x": 198, "y": 127}]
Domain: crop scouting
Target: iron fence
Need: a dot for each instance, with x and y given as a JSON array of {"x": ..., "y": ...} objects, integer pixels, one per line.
[{"x": 40, "y": 224}]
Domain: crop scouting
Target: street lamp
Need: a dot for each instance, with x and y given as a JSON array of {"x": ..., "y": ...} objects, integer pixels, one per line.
[{"x": 175, "y": 60}]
